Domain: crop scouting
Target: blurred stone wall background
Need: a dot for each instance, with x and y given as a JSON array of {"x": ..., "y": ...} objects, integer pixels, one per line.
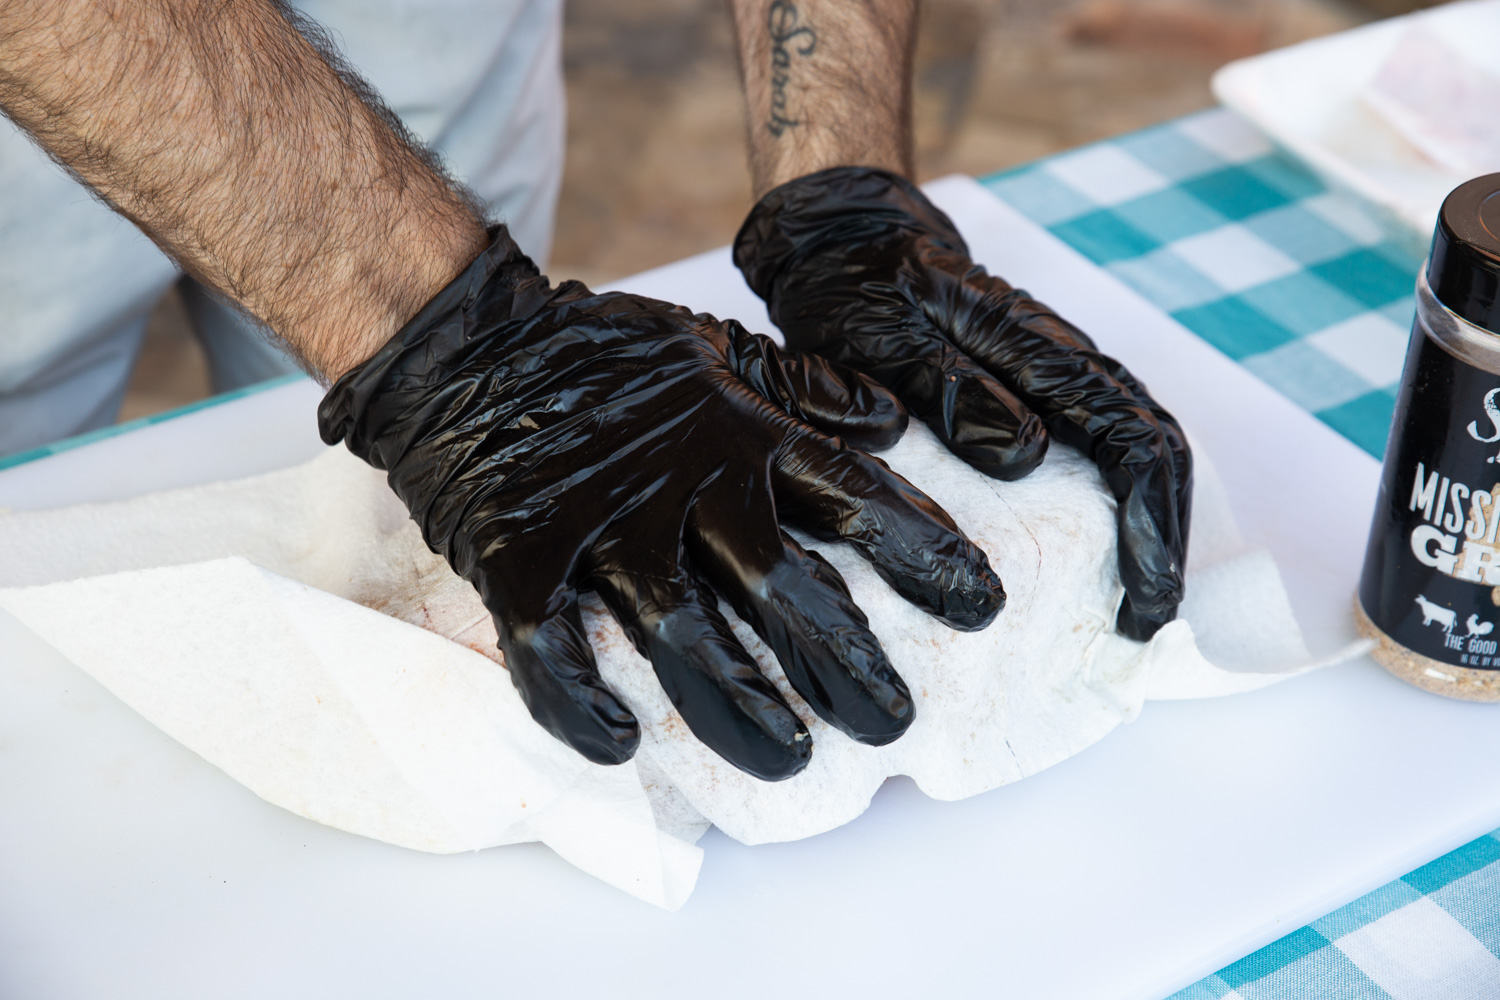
[{"x": 656, "y": 158}]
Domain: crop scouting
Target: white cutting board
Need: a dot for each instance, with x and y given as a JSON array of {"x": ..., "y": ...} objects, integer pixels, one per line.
[{"x": 130, "y": 868}]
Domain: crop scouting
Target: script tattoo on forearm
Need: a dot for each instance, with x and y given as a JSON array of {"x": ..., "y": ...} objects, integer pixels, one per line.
[
  {"x": 827, "y": 83},
  {"x": 788, "y": 39}
]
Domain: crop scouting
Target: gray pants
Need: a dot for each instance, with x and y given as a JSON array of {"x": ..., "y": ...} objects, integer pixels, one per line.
[{"x": 479, "y": 80}]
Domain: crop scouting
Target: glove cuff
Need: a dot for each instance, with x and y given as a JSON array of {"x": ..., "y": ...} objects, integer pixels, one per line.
[
  {"x": 840, "y": 207},
  {"x": 431, "y": 342}
]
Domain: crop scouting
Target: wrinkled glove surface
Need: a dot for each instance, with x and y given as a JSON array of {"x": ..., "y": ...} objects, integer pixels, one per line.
[
  {"x": 857, "y": 265},
  {"x": 549, "y": 440}
]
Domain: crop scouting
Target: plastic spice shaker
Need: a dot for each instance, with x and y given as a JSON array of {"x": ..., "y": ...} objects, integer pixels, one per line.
[{"x": 1430, "y": 590}]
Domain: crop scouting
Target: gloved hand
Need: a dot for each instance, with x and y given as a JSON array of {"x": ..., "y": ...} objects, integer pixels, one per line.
[
  {"x": 857, "y": 265},
  {"x": 552, "y": 439}
]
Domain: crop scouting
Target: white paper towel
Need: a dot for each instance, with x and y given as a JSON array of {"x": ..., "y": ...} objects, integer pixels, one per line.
[{"x": 230, "y": 616}]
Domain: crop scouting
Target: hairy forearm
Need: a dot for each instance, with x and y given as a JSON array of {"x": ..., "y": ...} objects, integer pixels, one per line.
[
  {"x": 234, "y": 145},
  {"x": 827, "y": 84}
]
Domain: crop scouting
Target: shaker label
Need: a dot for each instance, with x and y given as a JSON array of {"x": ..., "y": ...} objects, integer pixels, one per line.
[{"x": 1432, "y": 570}]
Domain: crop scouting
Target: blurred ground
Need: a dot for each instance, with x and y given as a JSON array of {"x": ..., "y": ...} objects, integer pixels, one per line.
[{"x": 656, "y": 161}]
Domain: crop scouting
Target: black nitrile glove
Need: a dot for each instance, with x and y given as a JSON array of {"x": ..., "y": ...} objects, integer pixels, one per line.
[
  {"x": 549, "y": 440},
  {"x": 857, "y": 265}
]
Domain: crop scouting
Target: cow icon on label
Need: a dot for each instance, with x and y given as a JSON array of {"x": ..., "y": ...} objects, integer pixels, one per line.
[
  {"x": 1477, "y": 627},
  {"x": 1436, "y": 613}
]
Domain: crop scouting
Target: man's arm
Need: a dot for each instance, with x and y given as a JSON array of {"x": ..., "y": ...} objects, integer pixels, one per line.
[
  {"x": 827, "y": 84},
  {"x": 855, "y": 263},
  {"x": 266, "y": 171}
]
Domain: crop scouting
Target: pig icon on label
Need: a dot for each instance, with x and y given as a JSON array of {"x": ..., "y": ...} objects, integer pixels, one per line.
[{"x": 1436, "y": 613}]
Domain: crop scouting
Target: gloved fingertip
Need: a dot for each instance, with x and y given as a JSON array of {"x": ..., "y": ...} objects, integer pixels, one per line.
[
  {"x": 803, "y": 610},
  {"x": 976, "y": 598},
  {"x": 949, "y": 578},
  {"x": 981, "y": 421},
  {"x": 888, "y": 726},
  {"x": 1141, "y": 625},
  {"x": 978, "y": 610},
  {"x": 553, "y": 669},
  {"x": 876, "y": 707},
  {"x": 1001, "y": 454},
  {"x": 778, "y": 760},
  {"x": 768, "y": 741},
  {"x": 606, "y": 746},
  {"x": 884, "y": 422},
  {"x": 841, "y": 402},
  {"x": 598, "y": 726}
]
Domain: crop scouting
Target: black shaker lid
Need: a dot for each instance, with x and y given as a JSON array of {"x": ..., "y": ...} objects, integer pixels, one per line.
[{"x": 1464, "y": 270}]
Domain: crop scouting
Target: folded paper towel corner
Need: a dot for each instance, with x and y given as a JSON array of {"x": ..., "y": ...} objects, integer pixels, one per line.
[{"x": 293, "y": 629}]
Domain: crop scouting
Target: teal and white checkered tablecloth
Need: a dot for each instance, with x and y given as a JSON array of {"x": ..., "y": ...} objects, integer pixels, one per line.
[
  {"x": 1250, "y": 251},
  {"x": 1247, "y": 249}
]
